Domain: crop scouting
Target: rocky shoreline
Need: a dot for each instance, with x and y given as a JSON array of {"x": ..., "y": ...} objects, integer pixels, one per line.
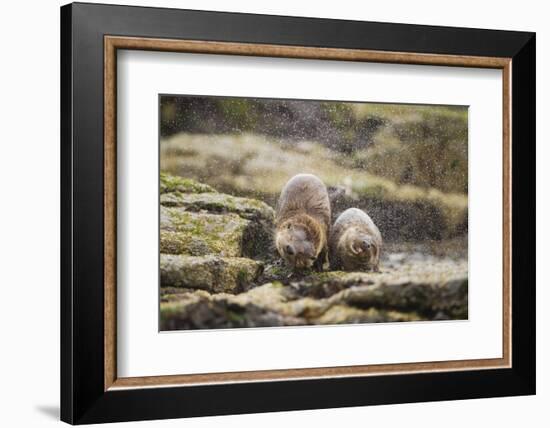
[{"x": 218, "y": 269}]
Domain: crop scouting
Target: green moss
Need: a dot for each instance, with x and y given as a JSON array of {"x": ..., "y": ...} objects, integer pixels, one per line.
[
  {"x": 242, "y": 276},
  {"x": 278, "y": 271},
  {"x": 235, "y": 317},
  {"x": 219, "y": 203},
  {"x": 172, "y": 183},
  {"x": 197, "y": 234},
  {"x": 211, "y": 273}
]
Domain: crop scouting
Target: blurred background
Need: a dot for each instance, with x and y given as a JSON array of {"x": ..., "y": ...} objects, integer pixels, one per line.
[{"x": 406, "y": 165}]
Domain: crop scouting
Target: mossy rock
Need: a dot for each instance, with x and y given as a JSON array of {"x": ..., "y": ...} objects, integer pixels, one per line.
[
  {"x": 205, "y": 313},
  {"x": 212, "y": 273},
  {"x": 203, "y": 233},
  {"x": 430, "y": 290},
  {"x": 325, "y": 284},
  {"x": 275, "y": 296},
  {"x": 344, "y": 314},
  {"x": 430, "y": 297},
  {"x": 172, "y": 183},
  {"x": 197, "y": 234},
  {"x": 324, "y": 298},
  {"x": 247, "y": 208},
  {"x": 444, "y": 300},
  {"x": 271, "y": 304},
  {"x": 263, "y": 306}
]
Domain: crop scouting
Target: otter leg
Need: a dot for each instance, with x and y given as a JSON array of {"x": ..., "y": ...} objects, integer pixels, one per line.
[
  {"x": 336, "y": 262},
  {"x": 323, "y": 257}
]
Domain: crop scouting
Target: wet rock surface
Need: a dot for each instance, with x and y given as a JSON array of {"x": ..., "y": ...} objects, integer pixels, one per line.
[{"x": 218, "y": 270}]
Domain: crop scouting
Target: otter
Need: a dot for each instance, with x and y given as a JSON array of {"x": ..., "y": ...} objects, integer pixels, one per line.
[
  {"x": 355, "y": 242},
  {"x": 302, "y": 222}
]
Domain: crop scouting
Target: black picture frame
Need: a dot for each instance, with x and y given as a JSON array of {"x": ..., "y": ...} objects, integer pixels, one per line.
[{"x": 83, "y": 398}]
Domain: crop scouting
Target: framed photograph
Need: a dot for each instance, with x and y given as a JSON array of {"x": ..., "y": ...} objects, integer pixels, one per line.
[{"x": 266, "y": 213}]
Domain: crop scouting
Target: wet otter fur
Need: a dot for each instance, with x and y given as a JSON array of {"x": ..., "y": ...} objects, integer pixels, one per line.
[
  {"x": 355, "y": 242},
  {"x": 302, "y": 222}
]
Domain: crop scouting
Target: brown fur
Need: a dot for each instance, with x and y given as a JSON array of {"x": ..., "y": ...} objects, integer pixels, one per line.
[
  {"x": 303, "y": 222},
  {"x": 355, "y": 242}
]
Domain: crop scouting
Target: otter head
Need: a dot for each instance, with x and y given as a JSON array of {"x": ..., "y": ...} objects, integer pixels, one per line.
[
  {"x": 360, "y": 248},
  {"x": 296, "y": 244}
]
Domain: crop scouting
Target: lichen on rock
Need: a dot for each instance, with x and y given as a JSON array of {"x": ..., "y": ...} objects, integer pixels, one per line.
[
  {"x": 195, "y": 220},
  {"x": 247, "y": 208},
  {"x": 173, "y": 183},
  {"x": 212, "y": 273},
  {"x": 198, "y": 234}
]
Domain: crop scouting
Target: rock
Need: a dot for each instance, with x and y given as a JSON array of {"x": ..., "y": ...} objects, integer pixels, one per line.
[
  {"x": 343, "y": 314},
  {"x": 439, "y": 300},
  {"x": 263, "y": 306},
  {"x": 247, "y": 208},
  {"x": 325, "y": 284},
  {"x": 329, "y": 298},
  {"x": 214, "y": 248},
  {"x": 267, "y": 305},
  {"x": 424, "y": 287},
  {"x": 279, "y": 298},
  {"x": 175, "y": 294},
  {"x": 199, "y": 234},
  {"x": 201, "y": 310},
  {"x": 212, "y": 273},
  {"x": 202, "y": 233},
  {"x": 172, "y": 183},
  {"x": 410, "y": 268},
  {"x": 204, "y": 221}
]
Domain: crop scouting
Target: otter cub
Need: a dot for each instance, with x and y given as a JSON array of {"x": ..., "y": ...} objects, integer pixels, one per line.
[
  {"x": 303, "y": 221},
  {"x": 355, "y": 242}
]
